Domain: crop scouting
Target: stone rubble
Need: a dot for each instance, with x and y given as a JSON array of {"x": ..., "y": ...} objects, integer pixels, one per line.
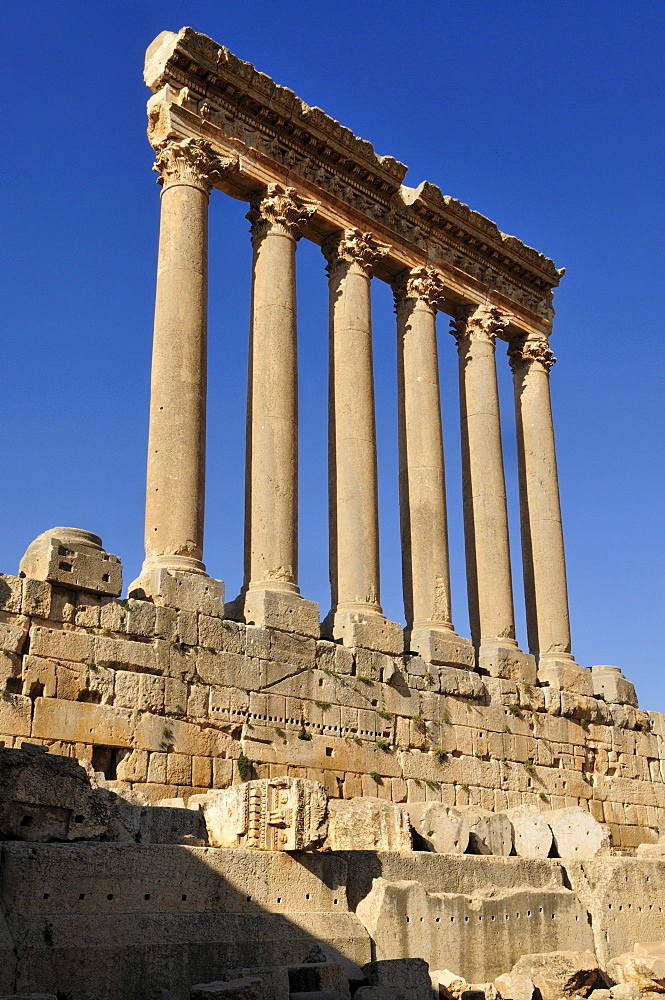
[
  {"x": 559, "y": 974},
  {"x": 443, "y": 829},
  {"x": 367, "y": 825}
]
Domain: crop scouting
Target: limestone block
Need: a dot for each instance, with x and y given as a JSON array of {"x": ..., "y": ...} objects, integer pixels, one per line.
[
  {"x": 611, "y": 685},
  {"x": 532, "y": 836},
  {"x": 247, "y": 988},
  {"x": 154, "y": 824},
  {"x": 44, "y": 797},
  {"x": 645, "y": 965},
  {"x": 514, "y": 987},
  {"x": 80, "y": 722},
  {"x": 444, "y": 830},
  {"x": 566, "y": 677},
  {"x": 650, "y": 851},
  {"x": 184, "y": 591},
  {"x": 274, "y": 814},
  {"x": 507, "y": 662},
  {"x": 39, "y": 673},
  {"x": 125, "y": 654},
  {"x": 561, "y": 973},
  {"x": 369, "y": 632},
  {"x": 142, "y": 619},
  {"x": 442, "y": 648},
  {"x": 396, "y": 979},
  {"x": 72, "y": 558},
  {"x": 449, "y": 984},
  {"x": 363, "y": 824},
  {"x": 11, "y": 591},
  {"x": 36, "y": 598},
  {"x": 62, "y": 645},
  {"x": 280, "y": 610},
  {"x": 625, "y": 991},
  {"x": 15, "y": 714},
  {"x": 13, "y": 632},
  {"x": 489, "y": 832},
  {"x": 577, "y": 835}
]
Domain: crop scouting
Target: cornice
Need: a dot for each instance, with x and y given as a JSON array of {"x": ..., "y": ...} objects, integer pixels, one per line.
[{"x": 203, "y": 90}]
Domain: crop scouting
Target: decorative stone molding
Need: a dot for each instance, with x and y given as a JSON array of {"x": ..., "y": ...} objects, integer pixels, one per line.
[
  {"x": 527, "y": 348},
  {"x": 352, "y": 246},
  {"x": 192, "y": 162},
  {"x": 279, "y": 208},
  {"x": 483, "y": 322},
  {"x": 423, "y": 284}
]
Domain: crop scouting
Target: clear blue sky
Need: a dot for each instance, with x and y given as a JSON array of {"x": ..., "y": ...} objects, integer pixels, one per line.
[{"x": 546, "y": 116}]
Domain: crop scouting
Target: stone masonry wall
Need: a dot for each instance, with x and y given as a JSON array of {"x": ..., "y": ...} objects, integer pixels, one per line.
[{"x": 169, "y": 701}]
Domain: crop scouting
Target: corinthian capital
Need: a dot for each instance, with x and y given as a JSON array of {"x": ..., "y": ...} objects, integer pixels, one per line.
[
  {"x": 528, "y": 348},
  {"x": 483, "y": 322},
  {"x": 190, "y": 161},
  {"x": 423, "y": 284},
  {"x": 279, "y": 208},
  {"x": 352, "y": 246}
]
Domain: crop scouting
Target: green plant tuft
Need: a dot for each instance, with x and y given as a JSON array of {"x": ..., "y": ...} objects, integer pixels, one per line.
[{"x": 244, "y": 767}]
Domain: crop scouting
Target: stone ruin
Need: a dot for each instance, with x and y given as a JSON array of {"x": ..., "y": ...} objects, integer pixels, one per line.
[{"x": 242, "y": 800}]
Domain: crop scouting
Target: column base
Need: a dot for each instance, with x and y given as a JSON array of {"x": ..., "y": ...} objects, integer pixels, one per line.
[
  {"x": 611, "y": 685},
  {"x": 279, "y": 609},
  {"x": 503, "y": 658},
  {"x": 369, "y": 630},
  {"x": 442, "y": 647},
  {"x": 561, "y": 672},
  {"x": 184, "y": 590}
]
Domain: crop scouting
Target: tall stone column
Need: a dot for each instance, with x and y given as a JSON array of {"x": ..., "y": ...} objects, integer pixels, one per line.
[
  {"x": 545, "y": 589},
  {"x": 176, "y": 447},
  {"x": 424, "y": 527},
  {"x": 356, "y": 616},
  {"x": 271, "y": 594},
  {"x": 489, "y": 579}
]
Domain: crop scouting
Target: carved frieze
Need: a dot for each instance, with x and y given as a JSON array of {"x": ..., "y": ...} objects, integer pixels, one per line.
[
  {"x": 190, "y": 161},
  {"x": 279, "y": 207}
]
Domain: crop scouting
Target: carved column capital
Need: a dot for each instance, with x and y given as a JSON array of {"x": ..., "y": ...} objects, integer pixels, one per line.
[
  {"x": 192, "y": 162},
  {"x": 422, "y": 284},
  {"x": 352, "y": 246},
  {"x": 483, "y": 322},
  {"x": 527, "y": 349},
  {"x": 279, "y": 208}
]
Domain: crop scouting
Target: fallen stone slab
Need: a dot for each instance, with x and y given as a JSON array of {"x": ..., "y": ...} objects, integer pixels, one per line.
[
  {"x": 532, "y": 836},
  {"x": 155, "y": 824},
  {"x": 247, "y": 988},
  {"x": 514, "y": 987},
  {"x": 45, "y": 797},
  {"x": 577, "y": 835},
  {"x": 443, "y": 829},
  {"x": 489, "y": 832},
  {"x": 650, "y": 851},
  {"x": 270, "y": 814},
  {"x": 448, "y": 984},
  {"x": 396, "y": 979},
  {"x": 561, "y": 973},
  {"x": 367, "y": 825},
  {"x": 625, "y": 991},
  {"x": 645, "y": 966}
]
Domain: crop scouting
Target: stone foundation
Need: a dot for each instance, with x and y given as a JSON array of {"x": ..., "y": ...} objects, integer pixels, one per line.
[{"x": 169, "y": 702}]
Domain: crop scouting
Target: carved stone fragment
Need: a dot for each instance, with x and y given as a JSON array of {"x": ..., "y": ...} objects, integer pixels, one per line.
[
  {"x": 72, "y": 558},
  {"x": 271, "y": 814}
]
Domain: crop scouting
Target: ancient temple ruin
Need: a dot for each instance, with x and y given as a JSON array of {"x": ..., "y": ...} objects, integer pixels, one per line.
[{"x": 266, "y": 778}]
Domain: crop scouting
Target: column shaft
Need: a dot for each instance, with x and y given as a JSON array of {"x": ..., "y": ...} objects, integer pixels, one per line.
[
  {"x": 176, "y": 447},
  {"x": 543, "y": 557},
  {"x": 425, "y": 562},
  {"x": 354, "y": 534},
  {"x": 484, "y": 493}
]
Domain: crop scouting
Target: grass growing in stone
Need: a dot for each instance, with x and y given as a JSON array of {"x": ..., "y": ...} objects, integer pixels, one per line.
[{"x": 244, "y": 767}]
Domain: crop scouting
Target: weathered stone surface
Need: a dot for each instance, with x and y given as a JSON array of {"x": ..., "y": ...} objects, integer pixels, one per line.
[
  {"x": 625, "y": 991},
  {"x": 489, "y": 832},
  {"x": 651, "y": 850},
  {"x": 72, "y": 558},
  {"x": 532, "y": 836},
  {"x": 44, "y": 797},
  {"x": 155, "y": 824},
  {"x": 444, "y": 829},
  {"x": 577, "y": 835},
  {"x": 181, "y": 590},
  {"x": 561, "y": 973},
  {"x": 247, "y": 988},
  {"x": 514, "y": 987},
  {"x": 611, "y": 685},
  {"x": 364, "y": 824},
  {"x": 276, "y": 814},
  {"x": 396, "y": 979},
  {"x": 645, "y": 965},
  {"x": 448, "y": 984}
]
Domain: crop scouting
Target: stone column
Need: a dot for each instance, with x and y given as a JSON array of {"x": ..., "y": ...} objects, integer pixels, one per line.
[
  {"x": 424, "y": 528},
  {"x": 489, "y": 578},
  {"x": 176, "y": 447},
  {"x": 356, "y": 616},
  {"x": 271, "y": 595},
  {"x": 543, "y": 558}
]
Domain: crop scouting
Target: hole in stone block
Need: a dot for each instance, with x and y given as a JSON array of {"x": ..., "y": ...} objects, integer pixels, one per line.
[
  {"x": 46, "y": 895},
  {"x": 329, "y": 751},
  {"x": 90, "y": 697},
  {"x": 27, "y": 821},
  {"x": 106, "y": 760},
  {"x": 105, "y": 578},
  {"x": 78, "y": 819},
  {"x": 65, "y": 567},
  {"x": 81, "y": 895},
  {"x": 36, "y": 690},
  {"x": 147, "y": 895},
  {"x": 184, "y": 897},
  {"x": 110, "y": 895},
  {"x": 13, "y": 685}
]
